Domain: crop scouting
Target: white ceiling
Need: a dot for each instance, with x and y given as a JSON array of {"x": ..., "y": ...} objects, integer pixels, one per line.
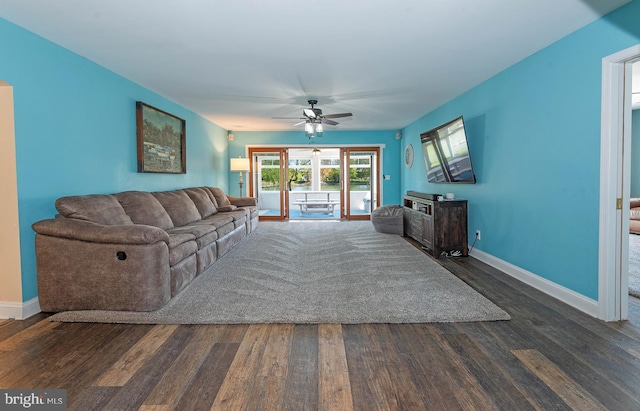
[{"x": 240, "y": 63}]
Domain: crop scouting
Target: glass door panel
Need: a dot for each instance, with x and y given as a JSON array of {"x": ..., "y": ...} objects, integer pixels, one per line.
[
  {"x": 360, "y": 182},
  {"x": 268, "y": 184},
  {"x": 314, "y": 183}
]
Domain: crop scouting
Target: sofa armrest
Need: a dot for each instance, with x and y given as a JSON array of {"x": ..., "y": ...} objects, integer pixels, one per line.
[
  {"x": 112, "y": 234},
  {"x": 243, "y": 201}
]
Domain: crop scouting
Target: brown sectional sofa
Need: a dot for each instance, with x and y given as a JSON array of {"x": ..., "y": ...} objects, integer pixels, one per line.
[
  {"x": 634, "y": 217},
  {"x": 134, "y": 250}
]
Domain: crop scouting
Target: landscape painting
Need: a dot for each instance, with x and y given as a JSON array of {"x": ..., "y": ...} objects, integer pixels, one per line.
[{"x": 161, "y": 139}]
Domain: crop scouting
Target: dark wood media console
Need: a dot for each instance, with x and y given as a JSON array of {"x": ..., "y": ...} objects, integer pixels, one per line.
[{"x": 440, "y": 226}]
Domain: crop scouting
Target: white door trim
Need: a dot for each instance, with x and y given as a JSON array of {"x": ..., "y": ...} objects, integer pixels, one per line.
[{"x": 615, "y": 143}]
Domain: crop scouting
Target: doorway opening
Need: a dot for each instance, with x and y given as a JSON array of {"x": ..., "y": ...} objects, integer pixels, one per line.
[
  {"x": 615, "y": 172},
  {"x": 302, "y": 183}
]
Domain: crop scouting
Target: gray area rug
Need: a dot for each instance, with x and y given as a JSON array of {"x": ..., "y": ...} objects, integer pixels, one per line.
[
  {"x": 317, "y": 272},
  {"x": 634, "y": 265}
]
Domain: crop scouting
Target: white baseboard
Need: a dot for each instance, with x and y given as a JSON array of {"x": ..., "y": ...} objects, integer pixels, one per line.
[
  {"x": 557, "y": 291},
  {"x": 19, "y": 311}
]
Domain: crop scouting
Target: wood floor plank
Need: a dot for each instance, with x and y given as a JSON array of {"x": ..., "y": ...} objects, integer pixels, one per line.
[
  {"x": 370, "y": 381},
  {"x": 11, "y": 327},
  {"x": 204, "y": 388},
  {"x": 301, "y": 388},
  {"x": 240, "y": 379},
  {"x": 137, "y": 388},
  {"x": 381, "y": 377},
  {"x": 45, "y": 337},
  {"x": 497, "y": 384},
  {"x": 393, "y": 365},
  {"x": 598, "y": 353},
  {"x": 491, "y": 336},
  {"x": 635, "y": 352},
  {"x": 334, "y": 389},
  {"x": 104, "y": 349},
  {"x": 531, "y": 334},
  {"x": 145, "y": 407},
  {"x": 272, "y": 375},
  {"x": 94, "y": 399},
  {"x": 27, "y": 336},
  {"x": 468, "y": 391},
  {"x": 179, "y": 376},
  {"x": 423, "y": 357},
  {"x": 74, "y": 345},
  {"x": 571, "y": 392},
  {"x": 137, "y": 356}
]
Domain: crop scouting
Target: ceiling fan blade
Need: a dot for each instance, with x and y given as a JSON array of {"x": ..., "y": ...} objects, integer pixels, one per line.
[
  {"x": 330, "y": 122},
  {"x": 286, "y": 118},
  {"x": 299, "y": 123},
  {"x": 309, "y": 112},
  {"x": 337, "y": 115}
]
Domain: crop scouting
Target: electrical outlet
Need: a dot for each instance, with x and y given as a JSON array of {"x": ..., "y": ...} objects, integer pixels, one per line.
[{"x": 478, "y": 235}]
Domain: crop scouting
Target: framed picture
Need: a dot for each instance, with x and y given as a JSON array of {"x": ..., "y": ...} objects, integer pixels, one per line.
[{"x": 161, "y": 141}]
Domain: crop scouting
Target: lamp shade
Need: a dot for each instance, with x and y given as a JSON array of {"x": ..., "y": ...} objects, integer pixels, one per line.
[{"x": 240, "y": 164}]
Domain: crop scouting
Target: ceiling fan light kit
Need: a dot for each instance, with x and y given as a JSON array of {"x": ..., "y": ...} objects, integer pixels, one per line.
[
  {"x": 313, "y": 120},
  {"x": 313, "y": 128}
]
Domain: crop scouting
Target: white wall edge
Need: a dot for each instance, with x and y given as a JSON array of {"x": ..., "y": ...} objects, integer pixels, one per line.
[
  {"x": 565, "y": 295},
  {"x": 19, "y": 311}
]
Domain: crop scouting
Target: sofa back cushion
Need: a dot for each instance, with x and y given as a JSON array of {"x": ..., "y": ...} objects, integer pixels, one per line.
[
  {"x": 144, "y": 208},
  {"x": 203, "y": 202},
  {"x": 218, "y": 196},
  {"x": 97, "y": 208},
  {"x": 179, "y": 207}
]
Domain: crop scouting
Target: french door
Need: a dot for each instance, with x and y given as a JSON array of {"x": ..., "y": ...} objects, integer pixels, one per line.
[
  {"x": 327, "y": 182},
  {"x": 268, "y": 182},
  {"x": 360, "y": 193}
]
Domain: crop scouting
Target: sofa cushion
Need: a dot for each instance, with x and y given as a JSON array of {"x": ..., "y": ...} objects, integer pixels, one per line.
[
  {"x": 229, "y": 207},
  {"x": 143, "y": 208},
  {"x": 217, "y": 220},
  {"x": 177, "y": 239},
  {"x": 98, "y": 208},
  {"x": 179, "y": 207},
  {"x": 243, "y": 201},
  {"x": 203, "y": 202},
  {"x": 219, "y": 197},
  {"x": 182, "y": 251},
  {"x": 204, "y": 234}
]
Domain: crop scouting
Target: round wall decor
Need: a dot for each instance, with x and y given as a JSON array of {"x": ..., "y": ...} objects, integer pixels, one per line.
[{"x": 408, "y": 156}]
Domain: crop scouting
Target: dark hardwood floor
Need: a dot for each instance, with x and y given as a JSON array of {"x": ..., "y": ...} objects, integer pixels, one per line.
[{"x": 547, "y": 357}]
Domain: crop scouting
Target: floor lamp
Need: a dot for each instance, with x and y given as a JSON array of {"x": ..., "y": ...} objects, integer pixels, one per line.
[{"x": 240, "y": 165}]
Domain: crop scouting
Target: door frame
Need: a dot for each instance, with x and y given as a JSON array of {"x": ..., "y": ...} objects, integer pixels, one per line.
[
  {"x": 250, "y": 148},
  {"x": 615, "y": 172},
  {"x": 284, "y": 171},
  {"x": 345, "y": 209}
]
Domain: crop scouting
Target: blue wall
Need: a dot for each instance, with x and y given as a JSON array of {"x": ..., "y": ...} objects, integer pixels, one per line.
[
  {"x": 76, "y": 134},
  {"x": 333, "y": 138},
  {"x": 534, "y": 135}
]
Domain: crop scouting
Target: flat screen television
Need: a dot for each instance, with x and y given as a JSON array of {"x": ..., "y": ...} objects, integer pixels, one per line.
[{"x": 446, "y": 154}]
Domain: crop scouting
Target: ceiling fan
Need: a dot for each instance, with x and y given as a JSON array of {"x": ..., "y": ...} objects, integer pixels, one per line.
[{"x": 313, "y": 119}]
